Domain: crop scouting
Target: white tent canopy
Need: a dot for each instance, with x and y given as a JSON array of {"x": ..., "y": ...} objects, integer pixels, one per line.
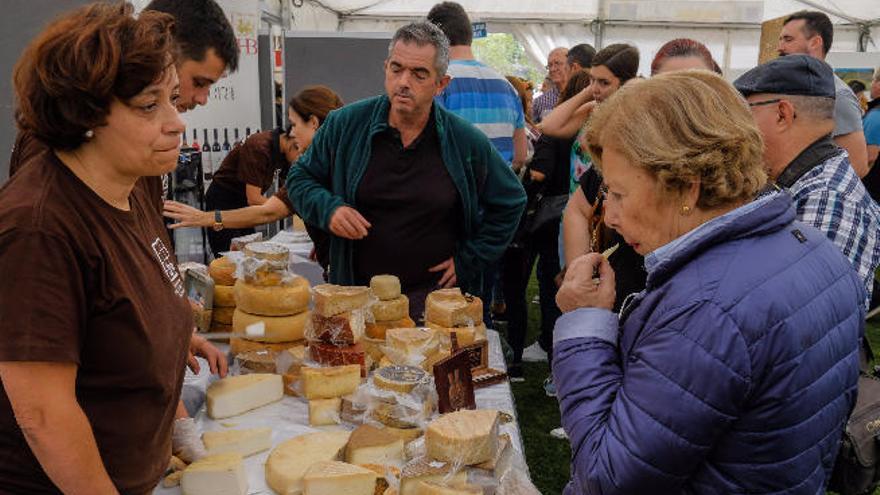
[{"x": 731, "y": 29}]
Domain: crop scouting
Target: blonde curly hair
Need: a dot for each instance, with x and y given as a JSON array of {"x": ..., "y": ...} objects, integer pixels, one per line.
[{"x": 682, "y": 127}]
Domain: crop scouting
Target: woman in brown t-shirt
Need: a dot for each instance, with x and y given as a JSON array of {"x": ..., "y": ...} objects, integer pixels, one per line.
[
  {"x": 306, "y": 111},
  {"x": 94, "y": 325}
]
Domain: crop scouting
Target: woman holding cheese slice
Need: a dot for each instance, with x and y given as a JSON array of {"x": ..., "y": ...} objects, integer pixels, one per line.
[
  {"x": 735, "y": 370},
  {"x": 94, "y": 323},
  {"x": 306, "y": 111}
]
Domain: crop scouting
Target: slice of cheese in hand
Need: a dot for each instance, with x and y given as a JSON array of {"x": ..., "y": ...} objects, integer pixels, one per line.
[
  {"x": 234, "y": 395},
  {"x": 371, "y": 445},
  {"x": 243, "y": 442},
  {"x": 221, "y": 474},
  {"x": 338, "y": 478},
  {"x": 324, "y": 412},
  {"x": 288, "y": 462},
  {"x": 330, "y": 382},
  {"x": 468, "y": 437}
]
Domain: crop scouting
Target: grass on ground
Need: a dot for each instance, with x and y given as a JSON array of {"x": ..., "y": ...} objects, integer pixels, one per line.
[{"x": 548, "y": 458}]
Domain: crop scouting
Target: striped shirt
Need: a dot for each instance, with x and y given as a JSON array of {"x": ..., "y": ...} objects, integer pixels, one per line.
[
  {"x": 484, "y": 98},
  {"x": 544, "y": 104},
  {"x": 831, "y": 198}
]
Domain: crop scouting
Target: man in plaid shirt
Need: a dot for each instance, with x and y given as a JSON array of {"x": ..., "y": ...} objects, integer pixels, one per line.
[
  {"x": 792, "y": 99},
  {"x": 556, "y": 65}
]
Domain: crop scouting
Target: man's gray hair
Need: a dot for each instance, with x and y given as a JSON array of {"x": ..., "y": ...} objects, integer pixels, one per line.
[
  {"x": 817, "y": 108},
  {"x": 425, "y": 33}
]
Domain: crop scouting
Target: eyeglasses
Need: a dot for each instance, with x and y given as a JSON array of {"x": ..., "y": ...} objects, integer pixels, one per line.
[{"x": 764, "y": 102}]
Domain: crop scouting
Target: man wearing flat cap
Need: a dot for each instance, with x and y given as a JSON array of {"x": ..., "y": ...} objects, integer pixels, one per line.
[{"x": 792, "y": 100}]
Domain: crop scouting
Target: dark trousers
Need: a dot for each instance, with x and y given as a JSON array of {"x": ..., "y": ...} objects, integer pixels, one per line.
[
  {"x": 218, "y": 198},
  {"x": 517, "y": 268}
]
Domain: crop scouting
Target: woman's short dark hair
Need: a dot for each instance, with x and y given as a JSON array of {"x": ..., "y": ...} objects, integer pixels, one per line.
[
  {"x": 317, "y": 101},
  {"x": 621, "y": 59},
  {"x": 70, "y": 74},
  {"x": 452, "y": 19}
]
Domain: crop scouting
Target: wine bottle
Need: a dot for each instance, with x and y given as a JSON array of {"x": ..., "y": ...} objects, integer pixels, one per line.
[
  {"x": 247, "y": 132},
  {"x": 207, "y": 158},
  {"x": 226, "y": 146},
  {"x": 195, "y": 144},
  {"x": 237, "y": 140},
  {"x": 184, "y": 145}
]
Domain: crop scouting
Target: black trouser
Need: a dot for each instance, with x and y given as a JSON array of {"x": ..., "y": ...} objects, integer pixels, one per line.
[
  {"x": 516, "y": 270},
  {"x": 218, "y": 198}
]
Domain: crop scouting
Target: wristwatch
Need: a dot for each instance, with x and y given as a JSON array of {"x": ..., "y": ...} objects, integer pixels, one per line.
[{"x": 218, "y": 221}]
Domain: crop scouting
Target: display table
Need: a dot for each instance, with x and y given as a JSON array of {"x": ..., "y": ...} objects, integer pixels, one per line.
[{"x": 289, "y": 418}]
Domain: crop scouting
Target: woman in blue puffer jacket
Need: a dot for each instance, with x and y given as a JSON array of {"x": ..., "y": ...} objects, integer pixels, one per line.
[{"x": 735, "y": 370}]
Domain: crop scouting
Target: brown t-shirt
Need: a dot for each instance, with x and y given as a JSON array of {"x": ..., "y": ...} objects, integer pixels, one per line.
[
  {"x": 253, "y": 162},
  {"x": 26, "y": 147},
  {"x": 89, "y": 284}
]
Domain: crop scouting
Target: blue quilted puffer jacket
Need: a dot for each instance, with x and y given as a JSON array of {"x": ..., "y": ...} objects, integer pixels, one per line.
[{"x": 733, "y": 372}]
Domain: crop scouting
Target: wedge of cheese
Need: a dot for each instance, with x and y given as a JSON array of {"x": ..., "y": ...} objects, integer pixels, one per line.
[
  {"x": 234, "y": 395},
  {"x": 221, "y": 474},
  {"x": 281, "y": 300},
  {"x": 277, "y": 328},
  {"x": 451, "y": 308},
  {"x": 338, "y": 478},
  {"x": 371, "y": 445},
  {"x": 385, "y": 287},
  {"x": 330, "y": 382},
  {"x": 427, "y": 470},
  {"x": 465, "y": 335},
  {"x": 412, "y": 341},
  {"x": 288, "y": 462},
  {"x": 323, "y": 412},
  {"x": 436, "y": 488},
  {"x": 332, "y": 299},
  {"x": 243, "y": 442},
  {"x": 468, "y": 437}
]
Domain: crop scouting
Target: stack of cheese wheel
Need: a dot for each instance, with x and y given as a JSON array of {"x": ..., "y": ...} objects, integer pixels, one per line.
[
  {"x": 336, "y": 326},
  {"x": 222, "y": 271},
  {"x": 449, "y": 311},
  {"x": 391, "y": 310},
  {"x": 270, "y": 297},
  {"x": 420, "y": 346}
]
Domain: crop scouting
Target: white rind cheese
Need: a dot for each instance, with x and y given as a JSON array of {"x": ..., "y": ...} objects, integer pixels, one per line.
[
  {"x": 243, "y": 442},
  {"x": 330, "y": 382},
  {"x": 338, "y": 478},
  {"x": 323, "y": 412},
  {"x": 385, "y": 287},
  {"x": 221, "y": 474},
  {"x": 288, "y": 462},
  {"x": 234, "y": 395},
  {"x": 468, "y": 437}
]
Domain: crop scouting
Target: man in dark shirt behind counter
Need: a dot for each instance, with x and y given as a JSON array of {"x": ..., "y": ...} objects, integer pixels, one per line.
[{"x": 406, "y": 187}]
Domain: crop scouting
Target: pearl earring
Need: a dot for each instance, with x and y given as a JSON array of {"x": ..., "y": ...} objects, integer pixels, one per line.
[
  {"x": 685, "y": 210},
  {"x": 89, "y": 134}
]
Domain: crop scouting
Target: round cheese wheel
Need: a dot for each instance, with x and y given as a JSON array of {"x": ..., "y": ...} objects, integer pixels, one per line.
[
  {"x": 224, "y": 296},
  {"x": 238, "y": 345},
  {"x": 392, "y": 309},
  {"x": 278, "y": 328},
  {"x": 378, "y": 329},
  {"x": 385, "y": 287},
  {"x": 222, "y": 315},
  {"x": 222, "y": 271},
  {"x": 267, "y": 251},
  {"x": 280, "y": 300}
]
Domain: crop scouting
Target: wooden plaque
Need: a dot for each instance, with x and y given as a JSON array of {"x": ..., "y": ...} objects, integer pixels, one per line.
[{"x": 454, "y": 384}]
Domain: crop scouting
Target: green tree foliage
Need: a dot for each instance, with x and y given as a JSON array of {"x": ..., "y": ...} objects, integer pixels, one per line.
[{"x": 503, "y": 52}]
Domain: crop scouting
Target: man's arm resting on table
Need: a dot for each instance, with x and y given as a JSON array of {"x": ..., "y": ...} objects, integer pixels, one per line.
[{"x": 43, "y": 398}]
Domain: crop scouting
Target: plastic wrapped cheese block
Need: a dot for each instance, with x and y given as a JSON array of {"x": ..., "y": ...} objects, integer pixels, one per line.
[
  {"x": 437, "y": 488},
  {"x": 467, "y": 437},
  {"x": 423, "y": 469},
  {"x": 222, "y": 271},
  {"x": 330, "y": 382},
  {"x": 268, "y": 251},
  {"x": 397, "y": 378},
  {"x": 465, "y": 335},
  {"x": 331, "y": 299},
  {"x": 406, "y": 434},
  {"x": 221, "y": 474},
  {"x": 331, "y": 355},
  {"x": 277, "y": 328},
  {"x": 378, "y": 329},
  {"x": 281, "y": 300},
  {"x": 234, "y": 395},
  {"x": 242, "y": 442},
  {"x": 323, "y": 412},
  {"x": 224, "y": 296},
  {"x": 343, "y": 329},
  {"x": 391, "y": 309},
  {"x": 450, "y": 308},
  {"x": 385, "y": 287},
  {"x": 290, "y": 460},
  {"x": 371, "y": 445},
  {"x": 338, "y": 478}
]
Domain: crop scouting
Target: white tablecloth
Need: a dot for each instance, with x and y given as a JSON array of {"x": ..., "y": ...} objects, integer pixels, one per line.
[{"x": 289, "y": 418}]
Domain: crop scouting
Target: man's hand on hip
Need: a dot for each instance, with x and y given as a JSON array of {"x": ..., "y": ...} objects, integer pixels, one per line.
[
  {"x": 347, "y": 223},
  {"x": 448, "y": 268}
]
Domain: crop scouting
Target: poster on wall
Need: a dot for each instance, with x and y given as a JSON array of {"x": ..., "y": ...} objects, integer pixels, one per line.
[{"x": 233, "y": 105}]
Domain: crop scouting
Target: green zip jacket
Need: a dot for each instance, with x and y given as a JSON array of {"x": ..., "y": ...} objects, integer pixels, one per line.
[{"x": 329, "y": 172}]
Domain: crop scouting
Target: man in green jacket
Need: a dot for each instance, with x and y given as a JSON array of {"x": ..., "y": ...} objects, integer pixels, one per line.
[{"x": 406, "y": 187}]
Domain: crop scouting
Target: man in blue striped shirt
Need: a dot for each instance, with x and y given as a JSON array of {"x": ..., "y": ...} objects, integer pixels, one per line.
[{"x": 476, "y": 92}]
